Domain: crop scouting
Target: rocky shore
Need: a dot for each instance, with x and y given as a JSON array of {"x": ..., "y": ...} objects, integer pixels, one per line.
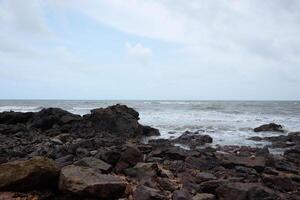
[{"x": 54, "y": 154}]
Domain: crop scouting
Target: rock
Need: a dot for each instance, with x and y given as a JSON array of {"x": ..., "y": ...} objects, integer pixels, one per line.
[
  {"x": 130, "y": 157},
  {"x": 15, "y": 117},
  {"x": 109, "y": 156},
  {"x": 204, "y": 176},
  {"x": 149, "y": 131},
  {"x": 166, "y": 185},
  {"x": 47, "y": 118},
  {"x": 181, "y": 194},
  {"x": 211, "y": 186},
  {"x": 282, "y": 183},
  {"x": 94, "y": 163},
  {"x": 193, "y": 140},
  {"x": 293, "y": 154},
  {"x": 269, "y": 127},
  {"x": 204, "y": 196},
  {"x": 64, "y": 161},
  {"x": 172, "y": 153},
  {"x": 82, "y": 152},
  {"x": 243, "y": 191},
  {"x": 257, "y": 162},
  {"x": 88, "y": 182},
  {"x": 147, "y": 193},
  {"x": 283, "y": 165},
  {"x": 142, "y": 170},
  {"x": 36, "y": 173}
]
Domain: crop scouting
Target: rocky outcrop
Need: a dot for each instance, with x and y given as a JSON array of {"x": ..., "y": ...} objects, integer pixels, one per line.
[
  {"x": 269, "y": 127},
  {"x": 88, "y": 182}
]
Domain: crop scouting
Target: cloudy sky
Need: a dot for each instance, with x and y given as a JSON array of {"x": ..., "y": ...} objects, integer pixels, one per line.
[{"x": 150, "y": 49}]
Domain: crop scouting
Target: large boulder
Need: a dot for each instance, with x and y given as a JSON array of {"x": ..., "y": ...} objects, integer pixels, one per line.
[
  {"x": 129, "y": 157},
  {"x": 15, "y": 117},
  {"x": 269, "y": 127},
  {"x": 193, "y": 140},
  {"x": 36, "y": 173},
  {"x": 88, "y": 182}
]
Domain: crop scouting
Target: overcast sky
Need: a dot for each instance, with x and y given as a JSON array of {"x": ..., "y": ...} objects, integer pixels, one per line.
[{"x": 150, "y": 49}]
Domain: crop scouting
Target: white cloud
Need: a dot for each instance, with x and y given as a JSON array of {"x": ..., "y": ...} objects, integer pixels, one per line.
[{"x": 138, "y": 51}]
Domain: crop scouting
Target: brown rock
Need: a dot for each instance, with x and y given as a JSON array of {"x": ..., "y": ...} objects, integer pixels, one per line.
[
  {"x": 88, "y": 182},
  {"x": 36, "y": 173},
  {"x": 204, "y": 196}
]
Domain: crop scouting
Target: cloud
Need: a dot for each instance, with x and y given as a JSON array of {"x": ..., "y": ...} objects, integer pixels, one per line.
[{"x": 137, "y": 52}]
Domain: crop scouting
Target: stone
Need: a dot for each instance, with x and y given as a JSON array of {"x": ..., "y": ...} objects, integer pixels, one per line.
[
  {"x": 258, "y": 162},
  {"x": 130, "y": 157},
  {"x": 88, "y": 182},
  {"x": 204, "y": 196},
  {"x": 181, "y": 194},
  {"x": 281, "y": 183},
  {"x": 147, "y": 193},
  {"x": 293, "y": 154},
  {"x": 64, "y": 161},
  {"x": 149, "y": 131},
  {"x": 142, "y": 170},
  {"x": 166, "y": 184},
  {"x": 269, "y": 127},
  {"x": 204, "y": 176},
  {"x": 35, "y": 173},
  {"x": 94, "y": 163},
  {"x": 243, "y": 191}
]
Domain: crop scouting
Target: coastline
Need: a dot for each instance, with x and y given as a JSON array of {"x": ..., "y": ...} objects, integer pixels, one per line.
[{"x": 100, "y": 155}]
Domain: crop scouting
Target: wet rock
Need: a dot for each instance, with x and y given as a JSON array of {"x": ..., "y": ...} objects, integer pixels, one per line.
[
  {"x": 269, "y": 127},
  {"x": 146, "y": 193},
  {"x": 181, "y": 194},
  {"x": 88, "y": 182},
  {"x": 95, "y": 164},
  {"x": 243, "y": 191},
  {"x": 36, "y": 173},
  {"x": 204, "y": 196},
  {"x": 129, "y": 157}
]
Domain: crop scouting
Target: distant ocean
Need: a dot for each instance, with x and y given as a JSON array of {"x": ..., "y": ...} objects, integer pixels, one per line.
[{"x": 228, "y": 122}]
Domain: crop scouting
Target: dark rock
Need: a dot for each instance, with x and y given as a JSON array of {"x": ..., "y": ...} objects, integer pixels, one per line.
[
  {"x": 192, "y": 140},
  {"x": 82, "y": 152},
  {"x": 281, "y": 183},
  {"x": 166, "y": 185},
  {"x": 15, "y": 117},
  {"x": 142, "y": 171},
  {"x": 110, "y": 156},
  {"x": 204, "y": 176},
  {"x": 181, "y": 194},
  {"x": 243, "y": 191},
  {"x": 149, "y": 131},
  {"x": 88, "y": 182},
  {"x": 147, "y": 193},
  {"x": 293, "y": 154},
  {"x": 257, "y": 162},
  {"x": 95, "y": 164},
  {"x": 36, "y": 173},
  {"x": 129, "y": 157},
  {"x": 171, "y": 153},
  {"x": 269, "y": 127}
]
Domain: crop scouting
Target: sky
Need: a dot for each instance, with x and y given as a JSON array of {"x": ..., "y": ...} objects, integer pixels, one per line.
[{"x": 150, "y": 49}]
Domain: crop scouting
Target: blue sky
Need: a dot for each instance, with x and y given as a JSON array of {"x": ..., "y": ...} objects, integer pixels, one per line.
[{"x": 150, "y": 49}]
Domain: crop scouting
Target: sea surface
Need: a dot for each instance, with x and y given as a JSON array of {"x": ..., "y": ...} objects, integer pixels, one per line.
[{"x": 228, "y": 122}]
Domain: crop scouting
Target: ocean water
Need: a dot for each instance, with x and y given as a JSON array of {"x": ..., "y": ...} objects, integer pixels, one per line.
[{"x": 228, "y": 122}]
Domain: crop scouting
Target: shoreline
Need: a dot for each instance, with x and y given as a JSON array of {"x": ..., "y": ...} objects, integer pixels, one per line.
[{"x": 100, "y": 155}]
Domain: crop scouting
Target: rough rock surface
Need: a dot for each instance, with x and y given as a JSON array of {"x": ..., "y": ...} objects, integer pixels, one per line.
[{"x": 269, "y": 127}]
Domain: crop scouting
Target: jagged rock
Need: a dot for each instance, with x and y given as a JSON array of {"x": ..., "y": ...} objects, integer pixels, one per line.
[
  {"x": 166, "y": 185},
  {"x": 172, "y": 153},
  {"x": 204, "y": 176},
  {"x": 204, "y": 196},
  {"x": 15, "y": 117},
  {"x": 149, "y": 131},
  {"x": 36, "y": 173},
  {"x": 269, "y": 127},
  {"x": 94, "y": 163},
  {"x": 181, "y": 194},
  {"x": 193, "y": 140},
  {"x": 88, "y": 182}
]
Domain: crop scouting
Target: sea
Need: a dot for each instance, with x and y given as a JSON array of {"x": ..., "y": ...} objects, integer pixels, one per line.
[{"x": 227, "y": 122}]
